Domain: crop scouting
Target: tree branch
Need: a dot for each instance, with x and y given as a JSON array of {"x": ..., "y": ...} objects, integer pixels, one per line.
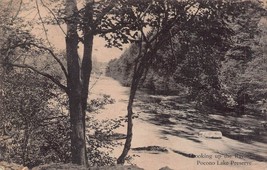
[
  {"x": 17, "y": 13},
  {"x": 169, "y": 26},
  {"x": 105, "y": 31},
  {"x": 54, "y": 56},
  {"x": 43, "y": 48},
  {"x": 40, "y": 17},
  {"x": 103, "y": 13},
  {"x": 95, "y": 82},
  {"x": 58, "y": 23},
  {"x": 53, "y": 79}
]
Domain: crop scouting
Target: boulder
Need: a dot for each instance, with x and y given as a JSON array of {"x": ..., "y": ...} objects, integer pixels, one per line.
[
  {"x": 117, "y": 167},
  {"x": 151, "y": 149},
  {"x": 77, "y": 167},
  {"x": 165, "y": 168},
  {"x": 211, "y": 134},
  {"x": 59, "y": 166}
]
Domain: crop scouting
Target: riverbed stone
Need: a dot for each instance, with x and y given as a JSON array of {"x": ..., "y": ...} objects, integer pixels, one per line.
[
  {"x": 58, "y": 166},
  {"x": 165, "y": 168},
  {"x": 211, "y": 134},
  {"x": 151, "y": 149},
  {"x": 117, "y": 167}
]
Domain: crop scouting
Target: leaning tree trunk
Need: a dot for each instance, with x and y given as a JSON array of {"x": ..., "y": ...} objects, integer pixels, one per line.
[
  {"x": 128, "y": 141},
  {"x": 138, "y": 73},
  {"x": 75, "y": 88}
]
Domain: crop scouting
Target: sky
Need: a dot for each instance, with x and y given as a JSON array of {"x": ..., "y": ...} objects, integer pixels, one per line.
[
  {"x": 57, "y": 38},
  {"x": 100, "y": 52}
]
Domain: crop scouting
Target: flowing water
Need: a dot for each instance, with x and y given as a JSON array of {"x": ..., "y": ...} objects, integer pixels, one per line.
[{"x": 180, "y": 148}]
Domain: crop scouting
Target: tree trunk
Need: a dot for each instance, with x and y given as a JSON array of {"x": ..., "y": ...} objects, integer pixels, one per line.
[
  {"x": 77, "y": 114},
  {"x": 75, "y": 88},
  {"x": 127, "y": 145},
  {"x": 138, "y": 73},
  {"x": 86, "y": 67}
]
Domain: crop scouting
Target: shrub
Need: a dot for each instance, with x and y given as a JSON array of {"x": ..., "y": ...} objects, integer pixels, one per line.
[{"x": 38, "y": 115}]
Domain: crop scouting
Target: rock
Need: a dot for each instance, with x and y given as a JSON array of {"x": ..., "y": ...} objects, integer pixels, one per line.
[
  {"x": 189, "y": 155},
  {"x": 77, "y": 167},
  {"x": 117, "y": 136},
  {"x": 165, "y": 168},
  {"x": 117, "y": 167},
  {"x": 11, "y": 166},
  {"x": 151, "y": 148},
  {"x": 211, "y": 134},
  {"x": 59, "y": 166}
]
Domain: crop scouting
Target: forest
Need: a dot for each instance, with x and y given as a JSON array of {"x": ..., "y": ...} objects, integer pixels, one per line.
[
  {"x": 219, "y": 64},
  {"x": 188, "y": 66}
]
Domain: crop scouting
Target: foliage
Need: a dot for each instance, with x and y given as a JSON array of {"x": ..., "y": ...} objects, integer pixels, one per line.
[
  {"x": 243, "y": 75},
  {"x": 38, "y": 117},
  {"x": 181, "y": 48},
  {"x": 100, "y": 145},
  {"x": 96, "y": 104},
  {"x": 196, "y": 56},
  {"x": 36, "y": 127},
  {"x": 100, "y": 133},
  {"x": 21, "y": 48},
  {"x": 121, "y": 69}
]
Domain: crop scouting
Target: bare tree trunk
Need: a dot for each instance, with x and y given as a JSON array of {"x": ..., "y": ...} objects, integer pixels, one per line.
[
  {"x": 77, "y": 114},
  {"x": 86, "y": 67},
  {"x": 75, "y": 88},
  {"x": 138, "y": 73},
  {"x": 127, "y": 145}
]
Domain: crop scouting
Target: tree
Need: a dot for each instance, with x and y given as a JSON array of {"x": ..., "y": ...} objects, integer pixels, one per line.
[
  {"x": 161, "y": 17},
  {"x": 93, "y": 22},
  {"x": 118, "y": 21},
  {"x": 36, "y": 127},
  {"x": 203, "y": 34},
  {"x": 244, "y": 62},
  {"x": 90, "y": 20}
]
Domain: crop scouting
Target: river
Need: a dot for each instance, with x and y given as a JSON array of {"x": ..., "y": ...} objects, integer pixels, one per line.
[{"x": 146, "y": 133}]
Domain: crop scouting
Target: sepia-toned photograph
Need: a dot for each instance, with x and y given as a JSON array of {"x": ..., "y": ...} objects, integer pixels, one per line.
[{"x": 133, "y": 84}]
